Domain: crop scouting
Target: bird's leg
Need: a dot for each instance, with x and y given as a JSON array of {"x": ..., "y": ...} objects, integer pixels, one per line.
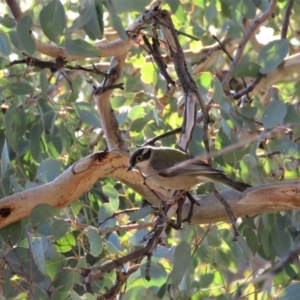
[
  {"x": 193, "y": 203},
  {"x": 179, "y": 211}
]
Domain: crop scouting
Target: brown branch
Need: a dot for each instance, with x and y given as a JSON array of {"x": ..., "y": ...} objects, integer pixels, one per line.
[
  {"x": 250, "y": 87},
  {"x": 97, "y": 273},
  {"x": 255, "y": 24},
  {"x": 15, "y": 9},
  {"x": 121, "y": 278},
  {"x": 152, "y": 141},
  {"x": 188, "y": 85},
  {"x": 286, "y": 19}
]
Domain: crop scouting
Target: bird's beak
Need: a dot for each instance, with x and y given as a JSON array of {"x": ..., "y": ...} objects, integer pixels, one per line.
[{"x": 129, "y": 168}]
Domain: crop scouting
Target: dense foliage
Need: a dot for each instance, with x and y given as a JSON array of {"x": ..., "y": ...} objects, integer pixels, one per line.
[{"x": 49, "y": 121}]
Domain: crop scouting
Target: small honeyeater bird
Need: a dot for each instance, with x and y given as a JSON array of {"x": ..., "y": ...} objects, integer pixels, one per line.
[{"x": 174, "y": 169}]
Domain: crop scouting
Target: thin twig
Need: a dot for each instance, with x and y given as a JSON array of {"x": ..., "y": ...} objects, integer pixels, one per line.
[
  {"x": 125, "y": 211},
  {"x": 286, "y": 19},
  {"x": 250, "y": 87},
  {"x": 152, "y": 141},
  {"x": 239, "y": 53}
]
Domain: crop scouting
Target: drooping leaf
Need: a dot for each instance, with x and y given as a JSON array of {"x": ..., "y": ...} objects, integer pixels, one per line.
[
  {"x": 23, "y": 30},
  {"x": 60, "y": 228},
  {"x": 20, "y": 88},
  {"x": 79, "y": 47},
  {"x": 158, "y": 275},
  {"x": 141, "y": 213},
  {"x": 66, "y": 243},
  {"x": 274, "y": 113},
  {"x": 11, "y": 233},
  {"x": 182, "y": 257},
  {"x": 246, "y": 69},
  {"x": 41, "y": 212},
  {"x": 272, "y": 55},
  {"x": 48, "y": 170},
  {"x": 87, "y": 114},
  {"x": 280, "y": 239},
  {"x": 95, "y": 240},
  {"x": 116, "y": 20},
  {"x": 53, "y": 20},
  {"x": 5, "y": 48}
]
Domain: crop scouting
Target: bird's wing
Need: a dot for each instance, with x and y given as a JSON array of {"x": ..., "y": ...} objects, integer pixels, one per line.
[{"x": 188, "y": 167}]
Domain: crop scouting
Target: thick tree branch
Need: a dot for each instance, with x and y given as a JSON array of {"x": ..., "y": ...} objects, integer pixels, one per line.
[{"x": 80, "y": 177}]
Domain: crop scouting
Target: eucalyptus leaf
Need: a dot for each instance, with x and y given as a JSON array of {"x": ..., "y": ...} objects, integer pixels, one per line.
[
  {"x": 182, "y": 257},
  {"x": 53, "y": 20},
  {"x": 246, "y": 69},
  {"x": 274, "y": 113},
  {"x": 141, "y": 213},
  {"x": 272, "y": 55},
  {"x": 95, "y": 240},
  {"x": 116, "y": 20},
  {"x": 23, "y": 31},
  {"x": 42, "y": 212},
  {"x": 80, "y": 47}
]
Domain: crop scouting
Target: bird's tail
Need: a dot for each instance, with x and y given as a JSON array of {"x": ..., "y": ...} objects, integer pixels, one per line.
[{"x": 234, "y": 184}]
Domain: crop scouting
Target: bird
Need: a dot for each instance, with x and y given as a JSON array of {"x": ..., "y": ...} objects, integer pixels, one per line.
[{"x": 174, "y": 169}]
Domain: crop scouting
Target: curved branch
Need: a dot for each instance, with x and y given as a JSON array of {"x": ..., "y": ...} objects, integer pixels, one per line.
[
  {"x": 80, "y": 177},
  {"x": 246, "y": 37}
]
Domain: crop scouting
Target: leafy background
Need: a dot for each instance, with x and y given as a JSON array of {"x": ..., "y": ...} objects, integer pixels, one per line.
[{"x": 49, "y": 121}]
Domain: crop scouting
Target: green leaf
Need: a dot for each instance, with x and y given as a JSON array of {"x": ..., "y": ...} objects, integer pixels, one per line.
[
  {"x": 280, "y": 239},
  {"x": 291, "y": 292},
  {"x": 79, "y": 47},
  {"x": 117, "y": 24},
  {"x": 158, "y": 275},
  {"x": 60, "y": 228},
  {"x": 182, "y": 259},
  {"x": 137, "y": 239},
  {"x": 131, "y": 5},
  {"x": 95, "y": 240},
  {"x": 5, "y": 160},
  {"x": 37, "y": 250},
  {"x": 40, "y": 213},
  {"x": 113, "y": 195},
  {"x": 204, "y": 80},
  {"x": 274, "y": 113},
  {"x": 53, "y": 20},
  {"x": 218, "y": 91},
  {"x": 213, "y": 239},
  {"x": 211, "y": 12},
  {"x": 94, "y": 27},
  {"x": 292, "y": 115},
  {"x": 48, "y": 170},
  {"x": 272, "y": 55},
  {"x": 87, "y": 114},
  {"x": 11, "y": 233},
  {"x": 251, "y": 240},
  {"x": 23, "y": 30},
  {"x": 141, "y": 213},
  {"x": 250, "y": 160},
  {"x": 5, "y": 48},
  {"x": 149, "y": 74},
  {"x": 110, "y": 191},
  {"x": 247, "y": 9},
  {"x": 86, "y": 10},
  {"x": 246, "y": 69},
  {"x": 64, "y": 280},
  {"x": 66, "y": 243},
  {"x": 20, "y": 88}
]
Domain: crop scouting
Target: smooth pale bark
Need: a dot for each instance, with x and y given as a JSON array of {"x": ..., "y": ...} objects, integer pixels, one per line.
[{"x": 81, "y": 176}]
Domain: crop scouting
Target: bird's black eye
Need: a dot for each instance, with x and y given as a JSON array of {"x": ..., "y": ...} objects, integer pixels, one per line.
[{"x": 139, "y": 158}]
